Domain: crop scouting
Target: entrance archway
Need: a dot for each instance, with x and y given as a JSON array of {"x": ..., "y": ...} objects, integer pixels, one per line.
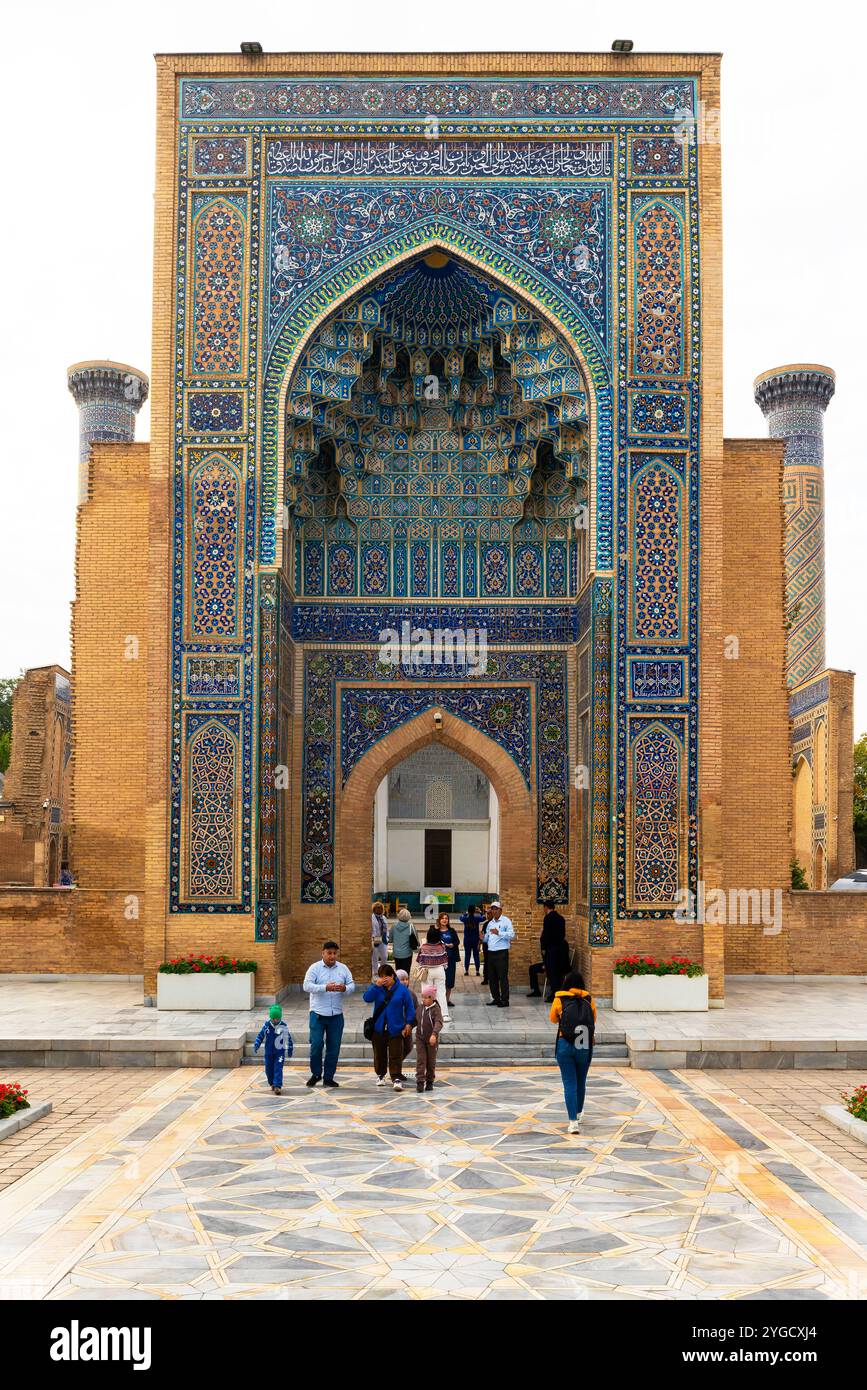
[
  {"x": 355, "y": 822},
  {"x": 819, "y": 870},
  {"x": 802, "y": 794},
  {"x": 436, "y": 829}
]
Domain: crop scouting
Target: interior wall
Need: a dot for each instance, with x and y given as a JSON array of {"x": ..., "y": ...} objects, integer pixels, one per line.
[{"x": 406, "y": 857}]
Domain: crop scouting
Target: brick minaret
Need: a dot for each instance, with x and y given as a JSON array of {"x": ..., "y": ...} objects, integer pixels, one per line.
[
  {"x": 109, "y": 395},
  {"x": 793, "y": 400}
]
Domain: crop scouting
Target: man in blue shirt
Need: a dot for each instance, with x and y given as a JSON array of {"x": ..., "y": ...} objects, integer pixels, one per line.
[
  {"x": 498, "y": 935},
  {"x": 393, "y": 1017},
  {"x": 327, "y": 981}
]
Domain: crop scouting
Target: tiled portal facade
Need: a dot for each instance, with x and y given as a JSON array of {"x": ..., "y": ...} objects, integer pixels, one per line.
[
  {"x": 435, "y": 344},
  {"x": 436, "y": 354}
]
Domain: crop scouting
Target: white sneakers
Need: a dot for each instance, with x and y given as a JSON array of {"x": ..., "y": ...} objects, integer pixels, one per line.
[
  {"x": 380, "y": 1081},
  {"x": 398, "y": 1085},
  {"x": 574, "y": 1126}
]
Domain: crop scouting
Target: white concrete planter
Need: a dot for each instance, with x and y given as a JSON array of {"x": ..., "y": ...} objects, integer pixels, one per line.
[
  {"x": 208, "y": 991},
  {"x": 22, "y": 1118},
  {"x": 660, "y": 993},
  {"x": 839, "y": 1116}
]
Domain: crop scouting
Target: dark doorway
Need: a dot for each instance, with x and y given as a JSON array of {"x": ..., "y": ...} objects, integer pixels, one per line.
[{"x": 438, "y": 858}]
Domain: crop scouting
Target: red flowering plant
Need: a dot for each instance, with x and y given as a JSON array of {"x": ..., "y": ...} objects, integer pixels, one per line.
[
  {"x": 646, "y": 965},
  {"x": 207, "y": 965},
  {"x": 856, "y": 1103},
  {"x": 13, "y": 1097}
]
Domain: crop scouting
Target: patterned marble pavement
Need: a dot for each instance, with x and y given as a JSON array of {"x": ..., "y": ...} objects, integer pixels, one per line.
[{"x": 210, "y": 1187}]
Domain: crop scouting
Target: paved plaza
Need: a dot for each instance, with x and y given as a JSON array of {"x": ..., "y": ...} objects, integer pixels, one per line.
[
  {"x": 756, "y": 1010},
  {"x": 204, "y": 1185}
]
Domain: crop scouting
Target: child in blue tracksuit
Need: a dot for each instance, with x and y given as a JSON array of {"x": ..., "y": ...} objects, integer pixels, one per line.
[{"x": 278, "y": 1047}]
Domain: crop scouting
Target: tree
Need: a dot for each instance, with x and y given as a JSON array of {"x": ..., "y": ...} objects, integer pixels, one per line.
[
  {"x": 799, "y": 878},
  {"x": 6, "y": 688},
  {"x": 860, "y": 807}
]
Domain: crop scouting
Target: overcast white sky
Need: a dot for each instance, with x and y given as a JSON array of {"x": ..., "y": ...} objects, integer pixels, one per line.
[{"x": 76, "y": 234}]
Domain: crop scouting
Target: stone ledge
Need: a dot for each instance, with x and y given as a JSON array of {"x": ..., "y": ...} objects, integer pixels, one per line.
[
  {"x": 660, "y": 1061},
  {"x": 173, "y": 1055},
  {"x": 23, "y": 1118},
  {"x": 839, "y": 1116},
  {"x": 745, "y": 1054}
]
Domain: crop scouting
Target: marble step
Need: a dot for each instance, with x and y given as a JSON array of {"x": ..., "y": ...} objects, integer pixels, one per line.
[
  {"x": 504, "y": 1055},
  {"x": 467, "y": 1037}
]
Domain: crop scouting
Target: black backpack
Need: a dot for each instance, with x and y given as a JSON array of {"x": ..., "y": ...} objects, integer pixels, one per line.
[{"x": 575, "y": 1015}]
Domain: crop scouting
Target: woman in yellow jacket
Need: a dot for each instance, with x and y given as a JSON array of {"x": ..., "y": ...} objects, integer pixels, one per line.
[{"x": 574, "y": 1013}]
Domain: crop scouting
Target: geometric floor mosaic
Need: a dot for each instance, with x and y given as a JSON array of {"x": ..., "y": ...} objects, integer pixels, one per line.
[{"x": 211, "y": 1187}]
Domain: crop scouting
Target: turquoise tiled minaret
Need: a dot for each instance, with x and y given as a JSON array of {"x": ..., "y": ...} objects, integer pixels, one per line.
[
  {"x": 109, "y": 395},
  {"x": 793, "y": 401}
]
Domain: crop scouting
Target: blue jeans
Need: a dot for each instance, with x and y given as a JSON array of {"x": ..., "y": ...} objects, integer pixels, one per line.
[
  {"x": 274, "y": 1068},
  {"x": 471, "y": 951},
  {"x": 574, "y": 1064},
  {"x": 325, "y": 1030}
]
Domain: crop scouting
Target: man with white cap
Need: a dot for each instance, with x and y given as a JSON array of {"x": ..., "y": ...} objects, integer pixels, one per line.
[{"x": 498, "y": 935}]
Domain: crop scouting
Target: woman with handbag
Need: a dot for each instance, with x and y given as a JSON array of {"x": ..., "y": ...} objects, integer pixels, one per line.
[
  {"x": 403, "y": 940},
  {"x": 431, "y": 963},
  {"x": 391, "y": 1021},
  {"x": 450, "y": 940},
  {"x": 378, "y": 936}
]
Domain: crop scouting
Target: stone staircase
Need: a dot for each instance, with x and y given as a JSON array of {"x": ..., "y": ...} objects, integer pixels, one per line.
[{"x": 462, "y": 1047}]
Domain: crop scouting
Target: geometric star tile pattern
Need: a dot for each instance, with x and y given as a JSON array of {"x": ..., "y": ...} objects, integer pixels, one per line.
[{"x": 211, "y": 1187}]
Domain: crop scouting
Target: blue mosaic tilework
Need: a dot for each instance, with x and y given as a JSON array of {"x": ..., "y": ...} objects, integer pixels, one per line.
[
  {"x": 366, "y": 716},
  {"x": 348, "y": 158},
  {"x": 212, "y": 678},
  {"x": 327, "y": 236},
  {"x": 273, "y": 99},
  {"x": 815, "y": 694},
  {"x": 656, "y": 680},
  {"x": 512, "y": 622},
  {"x": 215, "y": 412},
  {"x": 315, "y": 227}
]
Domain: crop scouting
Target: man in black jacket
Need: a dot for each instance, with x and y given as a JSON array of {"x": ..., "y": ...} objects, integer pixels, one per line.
[{"x": 555, "y": 954}]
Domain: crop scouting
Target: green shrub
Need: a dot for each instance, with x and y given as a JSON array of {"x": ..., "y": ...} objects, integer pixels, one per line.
[
  {"x": 646, "y": 965},
  {"x": 207, "y": 965}
]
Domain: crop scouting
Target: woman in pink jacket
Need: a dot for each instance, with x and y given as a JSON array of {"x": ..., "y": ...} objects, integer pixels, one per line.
[{"x": 433, "y": 958}]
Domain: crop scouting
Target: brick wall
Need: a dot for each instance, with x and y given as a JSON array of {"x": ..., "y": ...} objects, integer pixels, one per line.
[
  {"x": 67, "y": 931},
  {"x": 109, "y": 615},
  {"x": 757, "y": 781},
  {"x": 827, "y": 933}
]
